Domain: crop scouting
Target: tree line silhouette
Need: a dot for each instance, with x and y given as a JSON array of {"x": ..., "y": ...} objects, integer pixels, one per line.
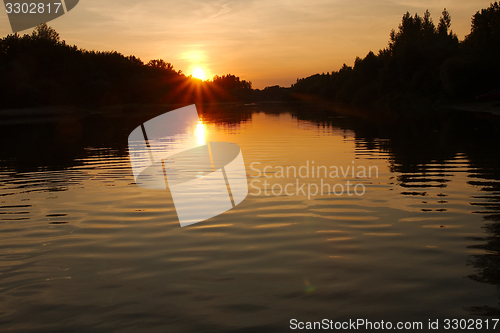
[
  {"x": 41, "y": 70},
  {"x": 423, "y": 63}
]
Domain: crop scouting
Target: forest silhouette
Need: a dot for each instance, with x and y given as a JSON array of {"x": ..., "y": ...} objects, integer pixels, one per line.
[
  {"x": 41, "y": 70},
  {"x": 424, "y": 63}
]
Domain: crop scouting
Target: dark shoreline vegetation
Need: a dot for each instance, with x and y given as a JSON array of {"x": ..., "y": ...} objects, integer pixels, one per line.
[{"x": 423, "y": 66}]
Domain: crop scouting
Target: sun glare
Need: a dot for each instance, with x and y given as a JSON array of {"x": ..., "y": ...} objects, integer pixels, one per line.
[{"x": 199, "y": 73}]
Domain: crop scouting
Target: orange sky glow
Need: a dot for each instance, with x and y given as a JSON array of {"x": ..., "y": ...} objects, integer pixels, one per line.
[{"x": 265, "y": 42}]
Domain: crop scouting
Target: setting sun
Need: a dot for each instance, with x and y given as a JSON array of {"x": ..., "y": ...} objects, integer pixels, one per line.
[{"x": 199, "y": 73}]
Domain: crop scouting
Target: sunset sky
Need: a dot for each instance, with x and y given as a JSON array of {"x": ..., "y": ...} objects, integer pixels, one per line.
[{"x": 267, "y": 42}]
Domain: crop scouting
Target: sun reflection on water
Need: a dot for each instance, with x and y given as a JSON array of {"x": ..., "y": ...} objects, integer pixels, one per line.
[{"x": 200, "y": 133}]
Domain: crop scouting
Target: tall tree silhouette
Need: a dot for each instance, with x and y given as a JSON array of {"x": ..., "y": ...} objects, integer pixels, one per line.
[
  {"x": 476, "y": 69},
  {"x": 44, "y": 32},
  {"x": 412, "y": 71}
]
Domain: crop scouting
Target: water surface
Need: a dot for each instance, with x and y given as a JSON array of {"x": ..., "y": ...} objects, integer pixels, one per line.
[{"x": 83, "y": 248}]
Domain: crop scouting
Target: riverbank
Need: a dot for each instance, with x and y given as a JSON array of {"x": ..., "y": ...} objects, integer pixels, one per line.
[{"x": 489, "y": 107}]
